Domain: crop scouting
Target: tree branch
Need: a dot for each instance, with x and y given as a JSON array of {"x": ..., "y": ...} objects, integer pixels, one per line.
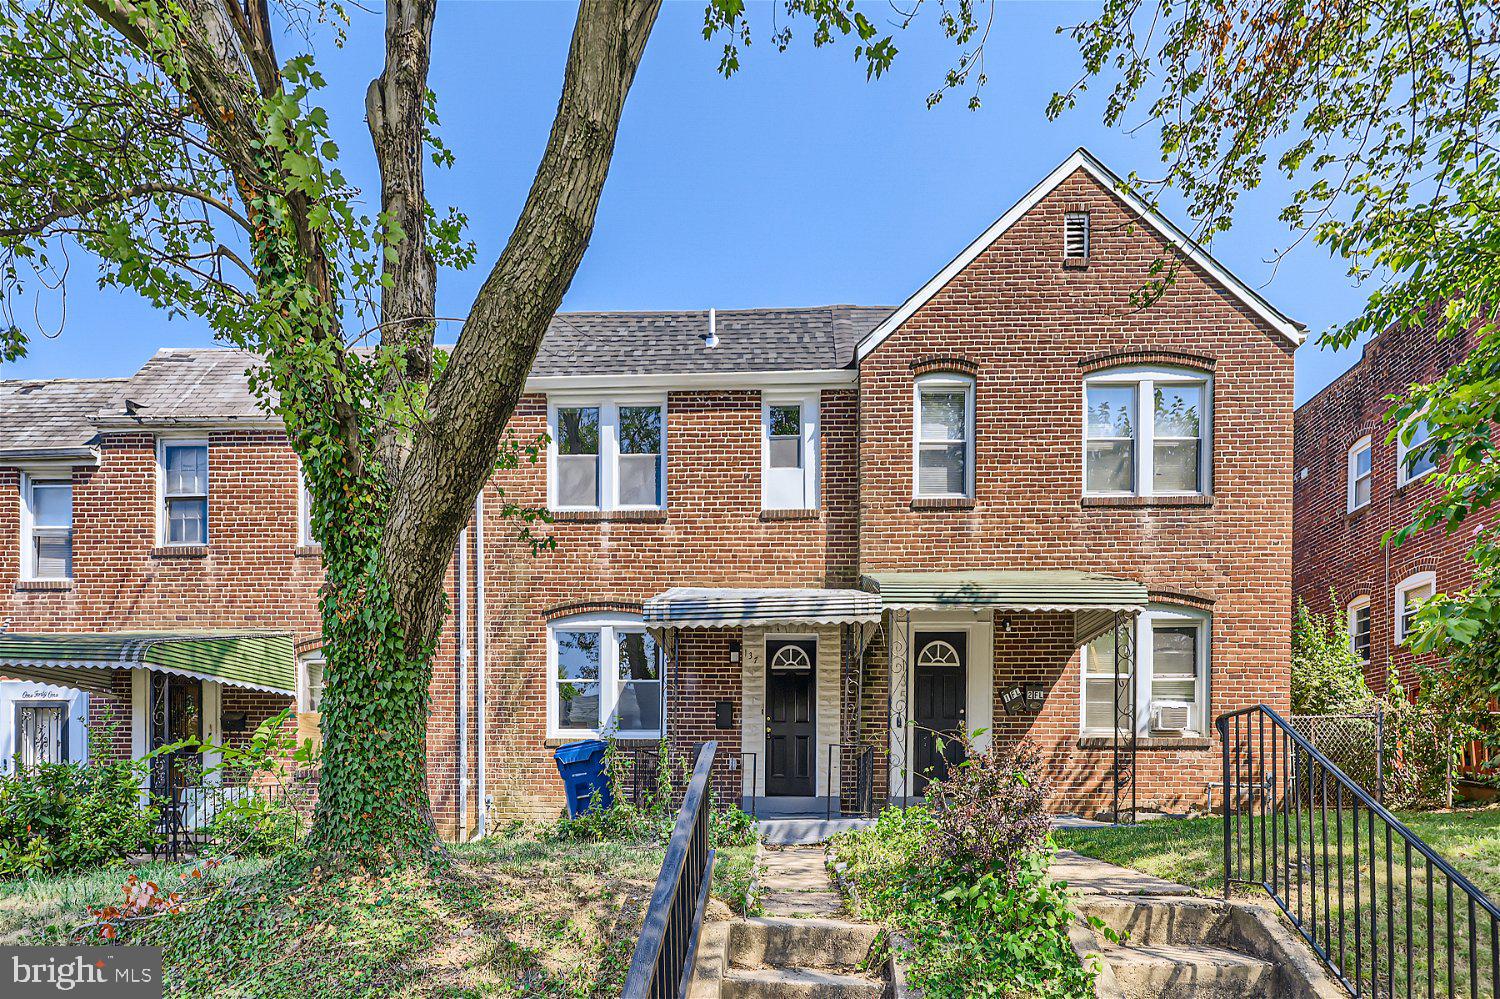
[{"x": 41, "y": 225}]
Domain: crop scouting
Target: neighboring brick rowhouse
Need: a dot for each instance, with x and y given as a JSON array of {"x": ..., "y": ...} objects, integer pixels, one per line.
[{"x": 1335, "y": 550}]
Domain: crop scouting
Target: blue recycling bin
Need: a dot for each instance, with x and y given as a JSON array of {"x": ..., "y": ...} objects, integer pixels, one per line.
[{"x": 581, "y": 766}]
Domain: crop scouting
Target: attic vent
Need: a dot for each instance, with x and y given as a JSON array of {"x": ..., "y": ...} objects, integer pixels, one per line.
[{"x": 1076, "y": 235}]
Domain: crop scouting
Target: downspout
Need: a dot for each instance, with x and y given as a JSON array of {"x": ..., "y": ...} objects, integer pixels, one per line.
[
  {"x": 463, "y": 684},
  {"x": 483, "y": 707}
]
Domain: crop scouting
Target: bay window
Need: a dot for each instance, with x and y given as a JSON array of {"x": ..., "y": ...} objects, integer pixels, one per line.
[
  {"x": 1147, "y": 433},
  {"x": 607, "y": 455},
  {"x": 943, "y": 465},
  {"x": 604, "y": 678}
]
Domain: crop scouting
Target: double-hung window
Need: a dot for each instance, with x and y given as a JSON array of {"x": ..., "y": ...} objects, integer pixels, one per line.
[
  {"x": 607, "y": 455},
  {"x": 184, "y": 492},
  {"x": 1411, "y": 593},
  {"x": 1361, "y": 474},
  {"x": 1413, "y": 459},
  {"x": 47, "y": 522},
  {"x": 1170, "y": 673},
  {"x": 305, "y": 537},
  {"x": 789, "y": 453},
  {"x": 310, "y": 683},
  {"x": 1359, "y": 627},
  {"x": 943, "y": 463},
  {"x": 1147, "y": 433},
  {"x": 604, "y": 678}
]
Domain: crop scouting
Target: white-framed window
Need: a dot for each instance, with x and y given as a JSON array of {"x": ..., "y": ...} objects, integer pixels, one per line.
[
  {"x": 1147, "y": 432},
  {"x": 182, "y": 482},
  {"x": 943, "y": 437},
  {"x": 789, "y": 452},
  {"x": 46, "y": 527},
  {"x": 1411, "y": 437},
  {"x": 310, "y": 682},
  {"x": 305, "y": 537},
  {"x": 1411, "y": 593},
  {"x": 1358, "y": 618},
  {"x": 1171, "y": 673},
  {"x": 1361, "y": 474},
  {"x": 607, "y": 454},
  {"x": 604, "y": 677}
]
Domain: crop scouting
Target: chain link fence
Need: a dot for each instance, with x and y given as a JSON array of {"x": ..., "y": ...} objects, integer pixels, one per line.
[{"x": 1405, "y": 759}]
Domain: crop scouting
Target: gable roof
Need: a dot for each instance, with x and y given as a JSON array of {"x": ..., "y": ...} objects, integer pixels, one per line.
[
  {"x": 52, "y": 418},
  {"x": 1081, "y": 159}
]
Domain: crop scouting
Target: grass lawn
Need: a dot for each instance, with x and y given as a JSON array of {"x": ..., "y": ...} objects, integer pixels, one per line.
[
  {"x": 1191, "y": 851},
  {"x": 512, "y": 916}
]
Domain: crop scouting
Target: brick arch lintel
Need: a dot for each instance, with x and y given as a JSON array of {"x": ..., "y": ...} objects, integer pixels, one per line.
[
  {"x": 959, "y": 365},
  {"x": 1121, "y": 358},
  {"x": 312, "y": 643},
  {"x": 592, "y": 607},
  {"x": 1185, "y": 598}
]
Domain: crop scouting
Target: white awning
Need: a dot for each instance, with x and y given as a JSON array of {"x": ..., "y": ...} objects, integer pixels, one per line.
[{"x": 732, "y": 607}]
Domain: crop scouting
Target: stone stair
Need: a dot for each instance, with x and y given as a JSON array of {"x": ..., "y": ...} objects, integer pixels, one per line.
[{"x": 782, "y": 957}]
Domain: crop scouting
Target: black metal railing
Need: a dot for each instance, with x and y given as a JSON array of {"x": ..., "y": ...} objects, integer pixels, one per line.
[
  {"x": 637, "y": 777},
  {"x": 668, "y": 948},
  {"x": 185, "y": 806},
  {"x": 1386, "y": 914},
  {"x": 860, "y": 759}
]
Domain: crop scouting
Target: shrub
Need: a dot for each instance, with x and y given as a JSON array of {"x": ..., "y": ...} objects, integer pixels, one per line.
[
  {"x": 1327, "y": 676},
  {"x": 992, "y": 810},
  {"x": 252, "y": 825},
  {"x": 731, "y": 827},
  {"x": 65, "y": 816}
]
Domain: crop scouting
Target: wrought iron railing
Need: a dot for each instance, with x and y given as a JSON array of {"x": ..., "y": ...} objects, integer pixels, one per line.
[
  {"x": 637, "y": 777},
  {"x": 668, "y": 948},
  {"x": 860, "y": 758},
  {"x": 1385, "y": 913}
]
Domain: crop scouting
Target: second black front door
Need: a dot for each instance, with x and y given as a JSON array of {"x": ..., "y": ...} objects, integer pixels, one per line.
[
  {"x": 791, "y": 719},
  {"x": 939, "y": 692}
]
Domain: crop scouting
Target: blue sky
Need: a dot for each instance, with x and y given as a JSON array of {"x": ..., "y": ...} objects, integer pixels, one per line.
[{"x": 796, "y": 182}]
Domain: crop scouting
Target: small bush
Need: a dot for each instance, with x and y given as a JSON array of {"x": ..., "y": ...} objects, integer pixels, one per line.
[
  {"x": 992, "y": 810},
  {"x": 252, "y": 825},
  {"x": 731, "y": 827},
  {"x": 1327, "y": 676},
  {"x": 65, "y": 816}
]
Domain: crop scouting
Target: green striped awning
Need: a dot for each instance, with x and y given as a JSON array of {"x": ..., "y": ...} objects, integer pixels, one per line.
[
  {"x": 1015, "y": 590},
  {"x": 259, "y": 661}
]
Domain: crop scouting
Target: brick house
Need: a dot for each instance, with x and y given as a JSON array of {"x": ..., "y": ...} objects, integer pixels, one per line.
[
  {"x": 1353, "y": 485},
  {"x": 819, "y": 536}
]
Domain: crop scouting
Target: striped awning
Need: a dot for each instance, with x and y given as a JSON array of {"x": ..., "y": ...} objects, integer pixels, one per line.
[
  {"x": 1009, "y": 589},
  {"x": 259, "y": 661},
  {"x": 730, "y": 607}
]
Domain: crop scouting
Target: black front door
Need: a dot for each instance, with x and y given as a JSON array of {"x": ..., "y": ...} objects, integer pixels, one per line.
[
  {"x": 791, "y": 725},
  {"x": 939, "y": 689}
]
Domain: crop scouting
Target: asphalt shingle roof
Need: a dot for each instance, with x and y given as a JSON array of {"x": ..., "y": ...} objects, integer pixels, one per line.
[
  {"x": 191, "y": 383},
  {"x": 41, "y": 416}
]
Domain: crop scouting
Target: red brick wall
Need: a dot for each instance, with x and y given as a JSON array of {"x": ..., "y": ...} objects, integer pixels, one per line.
[
  {"x": 1030, "y": 327},
  {"x": 1338, "y": 550}
]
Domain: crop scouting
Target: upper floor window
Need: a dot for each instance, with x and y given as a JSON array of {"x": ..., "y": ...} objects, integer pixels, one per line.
[
  {"x": 184, "y": 492},
  {"x": 1411, "y": 593},
  {"x": 943, "y": 463},
  {"x": 1359, "y": 627},
  {"x": 305, "y": 537},
  {"x": 310, "y": 682},
  {"x": 47, "y": 526},
  {"x": 1361, "y": 474},
  {"x": 607, "y": 455},
  {"x": 604, "y": 677},
  {"x": 789, "y": 453},
  {"x": 1412, "y": 459},
  {"x": 1167, "y": 453}
]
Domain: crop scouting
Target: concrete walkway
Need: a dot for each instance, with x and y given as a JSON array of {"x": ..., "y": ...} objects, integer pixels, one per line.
[
  {"x": 1088, "y": 876},
  {"x": 794, "y": 882}
]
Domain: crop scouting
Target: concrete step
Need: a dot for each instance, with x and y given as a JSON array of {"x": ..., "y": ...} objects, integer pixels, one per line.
[
  {"x": 800, "y": 943},
  {"x": 1149, "y": 971},
  {"x": 797, "y": 983},
  {"x": 1151, "y": 921}
]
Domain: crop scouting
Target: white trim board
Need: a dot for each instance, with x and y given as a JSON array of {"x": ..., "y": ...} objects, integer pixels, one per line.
[{"x": 1082, "y": 159}]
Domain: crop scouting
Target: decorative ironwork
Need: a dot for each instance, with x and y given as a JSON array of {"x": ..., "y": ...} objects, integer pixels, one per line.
[
  {"x": 1122, "y": 769},
  {"x": 898, "y": 698},
  {"x": 41, "y": 732}
]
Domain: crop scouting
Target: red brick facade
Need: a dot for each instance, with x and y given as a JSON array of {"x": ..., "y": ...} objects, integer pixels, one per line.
[
  {"x": 1025, "y": 327},
  {"x": 1336, "y": 550}
]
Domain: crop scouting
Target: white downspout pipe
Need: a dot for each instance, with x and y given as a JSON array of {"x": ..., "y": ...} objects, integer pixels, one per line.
[
  {"x": 480, "y": 662},
  {"x": 463, "y": 684}
]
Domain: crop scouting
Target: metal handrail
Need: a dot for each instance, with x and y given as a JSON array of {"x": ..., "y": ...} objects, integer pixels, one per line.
[
  {"x": 1281, "y": 802},
  {"x": 662, "y": 964}
]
